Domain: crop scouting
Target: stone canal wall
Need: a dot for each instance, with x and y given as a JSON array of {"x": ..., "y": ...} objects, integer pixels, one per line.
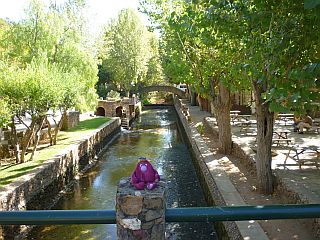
[
  {"x": 218, "y": 188},
  {"x": 225, "y": 230},
  {"x": 38, "y": 188}
]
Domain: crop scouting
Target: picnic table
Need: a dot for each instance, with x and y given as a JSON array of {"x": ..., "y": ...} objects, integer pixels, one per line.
[
  {"x": 281, "y": 137},
  {"x": 245, "y": 125},
  {"x": 234, "y": 115},
  {"x": 285, "y": 117},
  {"x": 281, "y": 134},
  {"x": 235, "y": 112},
  {"x": 244, "y": 117},
  {"x": 303, "y": 155}
]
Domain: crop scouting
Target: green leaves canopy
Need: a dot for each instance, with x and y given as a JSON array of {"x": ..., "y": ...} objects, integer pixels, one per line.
[
  {"x": 54, "y": 37},
  {"x": 130, "y": 53}
]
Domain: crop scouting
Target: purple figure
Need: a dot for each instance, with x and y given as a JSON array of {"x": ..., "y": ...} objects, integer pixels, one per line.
[{"x": 144, "y": 173}]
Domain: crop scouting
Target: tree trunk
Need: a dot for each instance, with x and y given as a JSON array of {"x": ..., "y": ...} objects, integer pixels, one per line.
[
  {"x": 58, "y": 127},
  {"x": 15, "y": 142},
  {"x": 37, "y": 134},
  {"x": 222, "y": 105},
  {"x": 193, "y": 97},
  {"x": 26, "y": 140},
  {"x": 265, "y": 120},
  {"x": 49, "y": 131},
  {"x": 199, "y": 102}
]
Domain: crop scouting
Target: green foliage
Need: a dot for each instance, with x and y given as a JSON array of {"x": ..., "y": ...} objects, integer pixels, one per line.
[
  {"x": 5, "y": 113},
  {"x": 56, "y": 37},
  {"x": 130, "y": 53},
  {"x": 46, "y": 63},
  {"x": 281, "y": 52},
  {"x": 101, "y": 90},
  {"x": 271, "y": 46},
  {"x": 145, "y": 100},
  {"x": 114, "y": 94}
]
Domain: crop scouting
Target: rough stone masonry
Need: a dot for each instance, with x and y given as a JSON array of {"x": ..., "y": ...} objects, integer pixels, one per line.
[{"x": 140, "y": 213}]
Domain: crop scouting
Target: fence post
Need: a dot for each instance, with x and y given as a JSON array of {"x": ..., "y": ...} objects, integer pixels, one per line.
[{"x": 140, "y": 214}]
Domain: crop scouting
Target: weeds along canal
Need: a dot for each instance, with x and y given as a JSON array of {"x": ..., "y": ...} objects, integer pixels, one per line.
[{"x": 156, "y": 136}]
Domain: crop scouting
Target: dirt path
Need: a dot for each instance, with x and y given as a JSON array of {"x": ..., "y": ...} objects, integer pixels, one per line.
[{"x": 244, "y": 181}]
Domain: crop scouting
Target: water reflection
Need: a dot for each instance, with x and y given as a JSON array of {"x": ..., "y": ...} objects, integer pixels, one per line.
[{"x": 155, "y": 136}]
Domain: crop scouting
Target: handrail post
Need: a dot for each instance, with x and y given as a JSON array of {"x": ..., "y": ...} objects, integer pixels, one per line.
[{"x": 140, "y": 214}]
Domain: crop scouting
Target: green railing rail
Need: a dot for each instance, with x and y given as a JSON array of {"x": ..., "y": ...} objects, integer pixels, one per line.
[{"x": 205, "y": 214}]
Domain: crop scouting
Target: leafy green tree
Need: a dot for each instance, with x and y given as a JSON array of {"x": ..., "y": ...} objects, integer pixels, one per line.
[
  {"x": 47, "y": 63},
  {"x": 130, "y": 52},
  {"x": 269, "y": 47},
  {"x": 30, "y": 90},
  {"x": 281, "y": 61},
  {"x": 196, "y": 57},
  {"x": 58, "y": 34}
]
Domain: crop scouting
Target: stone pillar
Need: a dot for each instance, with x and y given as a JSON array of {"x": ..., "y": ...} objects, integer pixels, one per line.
[
  {"x": 72, "y": 120},
  {"x": 140, "y": 213}
]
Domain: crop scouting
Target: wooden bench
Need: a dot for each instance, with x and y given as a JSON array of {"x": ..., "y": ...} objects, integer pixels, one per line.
[
  {"x": 285, "y": 117},
  {"x": 313, "y": 162},
  {"x": 279, "y": 141},
  {"x": 312, "y": 152},
  {"x": 303, "y": 161}
]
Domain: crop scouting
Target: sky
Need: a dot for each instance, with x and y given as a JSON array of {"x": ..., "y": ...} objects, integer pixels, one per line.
[{"x": 99, "y": 11}]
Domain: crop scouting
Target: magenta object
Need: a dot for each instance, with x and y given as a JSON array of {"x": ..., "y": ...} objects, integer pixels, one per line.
[{"x": 145, "y": 174}]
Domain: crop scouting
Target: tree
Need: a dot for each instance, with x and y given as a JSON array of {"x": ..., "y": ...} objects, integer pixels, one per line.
[
  {"x": 58, "y": 34},
  {"x": 282, "y": 64},
  {"x": 130, "y": 52},
  {"x": 187, "y": 32},
  {"x": 47, "y": 63},
  {"x": 269, "y": 47}
]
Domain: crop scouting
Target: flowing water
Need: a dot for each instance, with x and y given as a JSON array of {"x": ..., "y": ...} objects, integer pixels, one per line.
[{"x": 155, "y": 136}]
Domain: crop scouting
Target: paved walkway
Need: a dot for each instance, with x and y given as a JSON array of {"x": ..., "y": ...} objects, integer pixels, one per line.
[
  {"x": 303, "y": 183},
  {"x": 230, "y": 195}
]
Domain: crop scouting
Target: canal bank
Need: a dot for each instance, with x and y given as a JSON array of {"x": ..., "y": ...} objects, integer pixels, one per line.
[
  {"x": 218, "y": 188},
  {"x": 156, "y": 136},
  {"x": 30, "y": 191}
]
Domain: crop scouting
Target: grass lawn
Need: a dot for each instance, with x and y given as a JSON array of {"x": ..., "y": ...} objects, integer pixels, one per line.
[{"x": 9, "y": 173}]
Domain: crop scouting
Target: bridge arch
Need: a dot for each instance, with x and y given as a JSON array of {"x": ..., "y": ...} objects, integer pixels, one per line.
[
  {"x": 171, "y": 89},
  {"x": 100, "y": 111}
]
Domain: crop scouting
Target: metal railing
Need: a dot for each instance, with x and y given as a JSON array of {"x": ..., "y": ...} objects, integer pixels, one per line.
[{"x": 204, "y": 214}]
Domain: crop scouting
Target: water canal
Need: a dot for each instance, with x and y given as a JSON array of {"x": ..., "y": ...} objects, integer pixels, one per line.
[{"x": 156, "y": 136}]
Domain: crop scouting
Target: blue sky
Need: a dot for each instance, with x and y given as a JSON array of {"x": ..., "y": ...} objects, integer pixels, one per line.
[{"x": 99, "y": 11}]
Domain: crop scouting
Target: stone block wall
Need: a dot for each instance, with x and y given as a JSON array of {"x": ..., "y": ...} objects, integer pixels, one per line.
[
  {"x": 225, "y": 230},
  {"x": 140, "y": 214},
  {"x": 45, "y": 181}
]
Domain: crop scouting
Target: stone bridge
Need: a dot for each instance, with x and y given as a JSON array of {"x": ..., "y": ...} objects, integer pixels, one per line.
[
  {"x": 128, "y": 107},
  {"x": 171, "y": 89}
]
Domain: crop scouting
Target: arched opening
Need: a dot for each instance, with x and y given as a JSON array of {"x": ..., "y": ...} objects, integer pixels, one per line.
[
  {"x": 119, "y": 111},
  {"x": 100, "y": 111}
]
